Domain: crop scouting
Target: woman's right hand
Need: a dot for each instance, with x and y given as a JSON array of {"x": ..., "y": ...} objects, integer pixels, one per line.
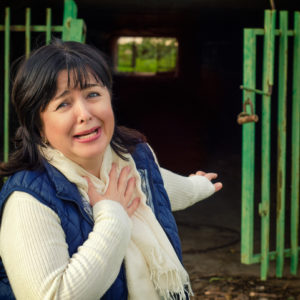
[{"x": 120, "y": 189}]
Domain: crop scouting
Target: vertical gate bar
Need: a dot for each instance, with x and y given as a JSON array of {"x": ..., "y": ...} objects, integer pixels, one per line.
[
  {"x": 70, "y": 12},
  {"x": 248, "y": 150},
  {"x": 76, "y": 30},
  {"x": 48, "y": 25},
  {"x": 281, "y": 143},
  {"x": 295, "y": 147},
  {"x": 6, "y": 82},
  {"x": 27, "y": 31},
  {"x": 268, "y": 57}
]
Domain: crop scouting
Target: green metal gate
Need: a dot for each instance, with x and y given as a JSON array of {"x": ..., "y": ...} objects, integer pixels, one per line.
[
  {"x": 71, "y": 29},
  {"x": 281, "y": 56}
]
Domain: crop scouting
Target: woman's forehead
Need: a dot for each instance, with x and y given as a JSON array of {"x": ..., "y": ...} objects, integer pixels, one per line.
[{"x": 74, "y": 78}]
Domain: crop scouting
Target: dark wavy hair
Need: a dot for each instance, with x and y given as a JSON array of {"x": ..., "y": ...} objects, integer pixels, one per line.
[{"x": 35, "y": 85}]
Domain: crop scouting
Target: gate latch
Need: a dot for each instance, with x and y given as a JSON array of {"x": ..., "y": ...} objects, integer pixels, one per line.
[{"x": 245, "y": 117}]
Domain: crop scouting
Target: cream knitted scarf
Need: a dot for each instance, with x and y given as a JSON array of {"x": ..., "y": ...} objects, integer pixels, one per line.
[{"x": 153, "y": 269}]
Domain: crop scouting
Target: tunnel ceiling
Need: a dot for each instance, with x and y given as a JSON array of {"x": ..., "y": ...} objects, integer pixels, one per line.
[
  {"x": 160, "y": 5},
  {"x": 187, "y": 4}
]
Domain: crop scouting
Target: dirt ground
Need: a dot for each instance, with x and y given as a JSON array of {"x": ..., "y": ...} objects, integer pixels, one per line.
[
  {"x": 242, "y": 288},
  {"x": 216, "y": 272},
  {"x": 210, "y": 235}
]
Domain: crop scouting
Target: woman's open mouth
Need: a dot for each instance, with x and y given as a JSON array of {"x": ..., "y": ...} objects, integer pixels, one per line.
[{"x": 88, "y": 135}]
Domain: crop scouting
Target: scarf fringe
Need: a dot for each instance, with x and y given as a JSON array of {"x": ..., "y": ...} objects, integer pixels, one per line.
[
  {"x": 174, "y": 289},
  {"x": 171, "y": 284}
]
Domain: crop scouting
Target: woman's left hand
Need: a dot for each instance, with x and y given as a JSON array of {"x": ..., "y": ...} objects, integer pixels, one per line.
[{"x": 209, "y": 176}]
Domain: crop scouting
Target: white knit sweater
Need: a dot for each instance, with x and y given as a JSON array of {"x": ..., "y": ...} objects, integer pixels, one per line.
[{"x": 35, "y": 253}]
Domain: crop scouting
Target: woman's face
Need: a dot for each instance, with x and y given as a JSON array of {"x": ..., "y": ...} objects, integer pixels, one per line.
[{"x": 79, "y": 122}]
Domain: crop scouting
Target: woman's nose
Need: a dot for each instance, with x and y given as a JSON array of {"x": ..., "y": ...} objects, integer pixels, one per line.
[{"x": 83, "y": 113}]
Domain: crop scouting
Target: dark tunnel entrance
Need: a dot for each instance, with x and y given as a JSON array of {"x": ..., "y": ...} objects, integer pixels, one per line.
[{"x": 190, "y": 117}]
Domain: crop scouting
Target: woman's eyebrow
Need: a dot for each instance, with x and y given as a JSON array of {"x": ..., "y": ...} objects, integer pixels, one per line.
[
  {"x": 89, "y": 85},
  {"x": 64, "y": 93}
]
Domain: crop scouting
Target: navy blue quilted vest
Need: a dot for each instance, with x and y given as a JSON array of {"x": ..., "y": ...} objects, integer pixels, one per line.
[{"x": 53, "y": 189}]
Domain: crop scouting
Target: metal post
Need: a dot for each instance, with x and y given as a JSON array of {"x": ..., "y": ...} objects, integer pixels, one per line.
[
  {"x": 27, "y": 32},
  {"x": 70, "y": 13},
  {"x": 77, "y": 30},
  {"x": 248, "y": 150},
  {"x": 74, "y": 29},
  {"x": 48, "y": 25},
  {"x": 70, "y": 10},
  {"x": 295, "y": 142},
  {"x": 266, "y": 139},
  {"x": 6, "y": 82},
  {"x": 281, "y": 145}
]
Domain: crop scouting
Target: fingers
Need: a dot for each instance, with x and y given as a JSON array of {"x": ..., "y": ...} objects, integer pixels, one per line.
[
  {"x": 128, "y": 196},
  {"x": 121, "y": 189},
  {"x": 90, "y": 184},
  {"x": 133, "y": 206},
  {"x": 123, "y": 179},
  {"x": 211, "y": 176},
  {"x": 218, "y": 186},
  {"x": 130, "y": 188},
  {"x": 200, "y": 173},
  {"x": 113, "y": 177},
  {"x": 94, "y": 196}
]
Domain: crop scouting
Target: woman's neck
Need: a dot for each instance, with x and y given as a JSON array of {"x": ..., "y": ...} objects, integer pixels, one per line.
[{"x": 92, "y": 166}]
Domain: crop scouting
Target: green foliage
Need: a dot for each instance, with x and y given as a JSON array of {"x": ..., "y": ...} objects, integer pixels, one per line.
[{"x": 147, "y": 55}]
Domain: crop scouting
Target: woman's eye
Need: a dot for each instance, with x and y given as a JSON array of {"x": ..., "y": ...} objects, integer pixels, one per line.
[
  {"x": 61, "y": 105},
  {"x": 93, "y": 94}
]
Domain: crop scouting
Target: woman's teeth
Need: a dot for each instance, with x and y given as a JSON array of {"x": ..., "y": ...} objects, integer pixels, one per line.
[{"x": 84, "y": 136}]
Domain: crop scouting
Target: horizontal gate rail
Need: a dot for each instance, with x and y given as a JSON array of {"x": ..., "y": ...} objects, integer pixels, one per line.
[
  {"x": 248, "y": 144},
  {"x": 259, "y": 31},
  {"x": 35, "y": 28}
]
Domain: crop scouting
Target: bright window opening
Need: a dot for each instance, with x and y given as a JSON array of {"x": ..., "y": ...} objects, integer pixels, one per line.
[{"x": 147, "y": 55}]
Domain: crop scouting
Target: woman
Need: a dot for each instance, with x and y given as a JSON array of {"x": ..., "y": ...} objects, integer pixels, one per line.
[{"x": 84, "y": 213}]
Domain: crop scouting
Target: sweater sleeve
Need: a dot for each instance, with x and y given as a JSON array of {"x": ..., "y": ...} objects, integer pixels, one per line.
[
  {"x": 186, "y": 191},
  {"x": 35, "y": 253}
]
